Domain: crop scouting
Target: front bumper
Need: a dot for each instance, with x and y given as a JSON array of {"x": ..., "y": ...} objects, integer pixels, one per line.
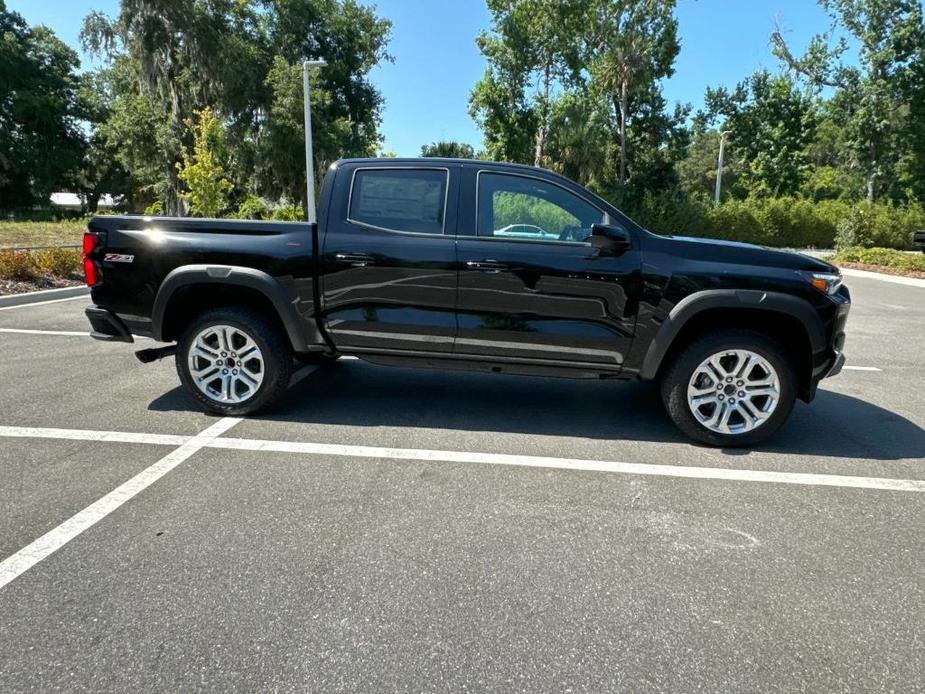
[{"x": 107, "y": 326}]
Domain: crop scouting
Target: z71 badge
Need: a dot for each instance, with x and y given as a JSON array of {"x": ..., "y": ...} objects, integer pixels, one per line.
[{"x": 118, "y": 258}]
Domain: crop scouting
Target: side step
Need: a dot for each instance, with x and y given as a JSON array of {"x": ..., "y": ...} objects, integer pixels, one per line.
[{"x": 146, "y": 356}]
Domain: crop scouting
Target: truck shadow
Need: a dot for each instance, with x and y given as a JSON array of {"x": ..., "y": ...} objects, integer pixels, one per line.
[{"x": 357, "y": 394}]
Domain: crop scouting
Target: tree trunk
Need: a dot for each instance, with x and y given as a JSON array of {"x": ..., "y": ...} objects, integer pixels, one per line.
[{"x": 544, "y": 119}]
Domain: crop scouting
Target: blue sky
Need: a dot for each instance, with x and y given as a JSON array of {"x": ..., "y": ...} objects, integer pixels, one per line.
[{"x": 436, "y": 63}]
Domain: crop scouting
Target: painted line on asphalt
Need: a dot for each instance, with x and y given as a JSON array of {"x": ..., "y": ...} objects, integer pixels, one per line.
[
  {"x": 23, "y": 331},
  {"x": 861, "y": 368},
  {"x": 64, "y": 333},
  {"x": 90, "y": 435},
  {"x": 43, "y": 303},
  {"x": 739, "y": 475},
  {"x": 43, "y": 292},
  {"x": 212, "y": 438},
  {"x": 30, "y": 555}
]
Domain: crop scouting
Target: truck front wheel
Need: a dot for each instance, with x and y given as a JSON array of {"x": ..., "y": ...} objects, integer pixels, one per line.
[
  {"x": 731, "y": 388},
  {"x": 233, "y": 361}
]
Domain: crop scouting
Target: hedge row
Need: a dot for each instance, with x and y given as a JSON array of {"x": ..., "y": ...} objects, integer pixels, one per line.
[
  {"x": 50, "y": 262},
  {"x": 886, "y": 257},
  {"x": 785, "y": 222}
]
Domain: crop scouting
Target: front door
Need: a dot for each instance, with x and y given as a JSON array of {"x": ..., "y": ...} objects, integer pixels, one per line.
[
  {"x": 388, "y": 260},
  {"x": 532, "y": 288}
]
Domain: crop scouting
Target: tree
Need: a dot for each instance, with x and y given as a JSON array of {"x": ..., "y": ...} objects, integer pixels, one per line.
[
  {"x": 451, "y": 150},
  {"x": 633, "y": 45},
  {"x": 533, "y": 42},
  {"x": 202, "y": 169},
  {"x": 771, "y": 124},
  {"x": 875, "y": 94},
  {"x": 41, "y": 143},
  {"x": 168, "y": 59}
]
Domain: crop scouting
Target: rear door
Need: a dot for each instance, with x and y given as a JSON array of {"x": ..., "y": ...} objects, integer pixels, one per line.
[
  {"x": 388, "y": 259},
  {"x": 532, "y": 288}
]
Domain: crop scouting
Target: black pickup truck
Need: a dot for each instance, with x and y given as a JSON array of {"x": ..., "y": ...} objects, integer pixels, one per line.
[{"x": 472, "y": 265}]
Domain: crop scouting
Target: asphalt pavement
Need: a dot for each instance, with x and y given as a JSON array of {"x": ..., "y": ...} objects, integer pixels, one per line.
[{"x": 387, "y": 529}]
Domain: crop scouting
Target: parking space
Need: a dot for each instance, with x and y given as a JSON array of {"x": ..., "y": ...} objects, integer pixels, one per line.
[{"x": 429, "y": 531}]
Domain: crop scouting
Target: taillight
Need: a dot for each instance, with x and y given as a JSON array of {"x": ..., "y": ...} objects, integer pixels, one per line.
[{"x": 90, "y": 243}]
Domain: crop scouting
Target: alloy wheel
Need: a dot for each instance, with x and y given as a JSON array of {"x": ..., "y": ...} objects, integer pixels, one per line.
[
  {"x": 226, "y": 364},
  {"x": 733, "y": 391}
]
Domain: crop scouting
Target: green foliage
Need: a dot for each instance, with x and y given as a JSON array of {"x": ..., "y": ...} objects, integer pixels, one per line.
[
  {"x": 783, "y": 222},
  {"x": 155, "y": 209},
  {"x": 253, "y": 207},
  {"x": 887, "y": 257},
  {"x": 24, "y": 266},
  {"x": 41, "y": 143},
  {"x": 202, "y": 170},
  {"x": 518, "y": 208},
  {"x": 451, "y": 150},
  {"x": 168, "y": 59},
  {"x": 288, "y": 213},
  {"x": 770, "y": 124}
]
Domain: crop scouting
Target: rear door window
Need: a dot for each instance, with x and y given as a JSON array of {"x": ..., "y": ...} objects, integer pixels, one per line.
[{"x": 404, "y": 200}]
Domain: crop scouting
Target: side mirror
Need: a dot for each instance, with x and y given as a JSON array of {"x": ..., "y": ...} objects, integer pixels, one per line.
[{"x": 610, "y": 239}]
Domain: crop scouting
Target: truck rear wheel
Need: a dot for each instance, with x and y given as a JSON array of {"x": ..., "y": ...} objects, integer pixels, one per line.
[
  {"x": 234, "y": 361},
  {"x": 732, "y": 388}
]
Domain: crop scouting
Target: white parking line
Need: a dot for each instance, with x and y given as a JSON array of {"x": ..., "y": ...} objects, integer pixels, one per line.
[
  {"x": 43, "y": 303},
  {"x": 571, "y": 464},
  {"x": 212, "y": 438},
  {"x": 90, "y": 435},
  {"x": 53, "y": 540},
  {"x": 23, "y": 331},
  {"x": 861, "y": 368}
]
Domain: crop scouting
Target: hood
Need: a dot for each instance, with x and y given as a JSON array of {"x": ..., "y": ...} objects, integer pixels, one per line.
[{"x": 746, "y": 253}]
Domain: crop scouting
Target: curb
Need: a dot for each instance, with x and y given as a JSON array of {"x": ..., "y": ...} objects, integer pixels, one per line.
[
  {"x": 26, "y": 298},
  {"x": 895, "y": 279}
]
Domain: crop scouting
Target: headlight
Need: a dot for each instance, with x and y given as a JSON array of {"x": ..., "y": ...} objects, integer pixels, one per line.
[{"x": 826, "y": 282}]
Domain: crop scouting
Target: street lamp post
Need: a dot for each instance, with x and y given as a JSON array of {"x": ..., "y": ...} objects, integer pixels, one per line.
[
  {"x": 719, "y": 166},
  {"x": 309, "y": 160}
]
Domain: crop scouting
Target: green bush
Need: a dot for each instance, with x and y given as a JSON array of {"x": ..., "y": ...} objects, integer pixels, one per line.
[
  {"x": 253, "y": 207},
  {"x": 24, "y": 266},
  {"x": 17, "y": 266},
  {"x": 888, "y": 257},
  {"x": 60, "y": 262},
  {"x": 783, "y": 222},
  {"x": 289, "y": 213}
]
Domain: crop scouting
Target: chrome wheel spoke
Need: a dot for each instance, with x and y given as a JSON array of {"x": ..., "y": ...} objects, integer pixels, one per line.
[
  {"x": 219, "y": 375},
  {"x": 722, "y": 391}
]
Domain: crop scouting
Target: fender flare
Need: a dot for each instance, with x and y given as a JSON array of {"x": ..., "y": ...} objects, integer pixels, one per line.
[
  {"x": 707, "y": 299},
  {"x": 234, "y": 275}
]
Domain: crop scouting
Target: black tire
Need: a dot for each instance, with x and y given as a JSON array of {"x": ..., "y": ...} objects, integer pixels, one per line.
[
  {"x": 679, "y": 373},
  {"x": 274, "y": 348}
]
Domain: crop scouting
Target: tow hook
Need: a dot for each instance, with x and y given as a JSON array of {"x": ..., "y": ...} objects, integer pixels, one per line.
[{"x": 146, "y": 356}]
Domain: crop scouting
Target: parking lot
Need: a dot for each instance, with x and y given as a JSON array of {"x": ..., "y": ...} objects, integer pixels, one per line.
[{"x": 395, "y": 530}]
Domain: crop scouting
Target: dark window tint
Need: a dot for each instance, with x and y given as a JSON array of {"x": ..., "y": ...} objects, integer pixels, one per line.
[
  {"x": 399, "y": 199},
  {"x": 517, "y": 207}
]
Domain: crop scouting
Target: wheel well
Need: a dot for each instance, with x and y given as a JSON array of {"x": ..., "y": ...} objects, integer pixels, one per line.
[
  {"x": 191, "y": 300},
  {"x": 783, "y": 328}
]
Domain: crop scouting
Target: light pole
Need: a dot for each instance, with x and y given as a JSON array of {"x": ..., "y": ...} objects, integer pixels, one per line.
[
  {"x": 309, "y": 160},
  {"x": 719, "y": 166}
]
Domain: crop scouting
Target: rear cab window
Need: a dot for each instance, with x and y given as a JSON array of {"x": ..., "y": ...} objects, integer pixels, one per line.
[{"x": 407, "y": 200}]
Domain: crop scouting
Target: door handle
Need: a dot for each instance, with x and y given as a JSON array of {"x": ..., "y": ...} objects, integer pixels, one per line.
[
  {"x": 490, "y": 266},
  {"x": 354, "y": 259}
]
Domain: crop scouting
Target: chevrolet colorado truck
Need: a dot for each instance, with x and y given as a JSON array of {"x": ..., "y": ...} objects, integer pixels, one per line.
[{"x": 485, "y": 266}]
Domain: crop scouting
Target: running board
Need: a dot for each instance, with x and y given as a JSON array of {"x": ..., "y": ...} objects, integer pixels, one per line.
[{"x": 146, "y": 356}]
